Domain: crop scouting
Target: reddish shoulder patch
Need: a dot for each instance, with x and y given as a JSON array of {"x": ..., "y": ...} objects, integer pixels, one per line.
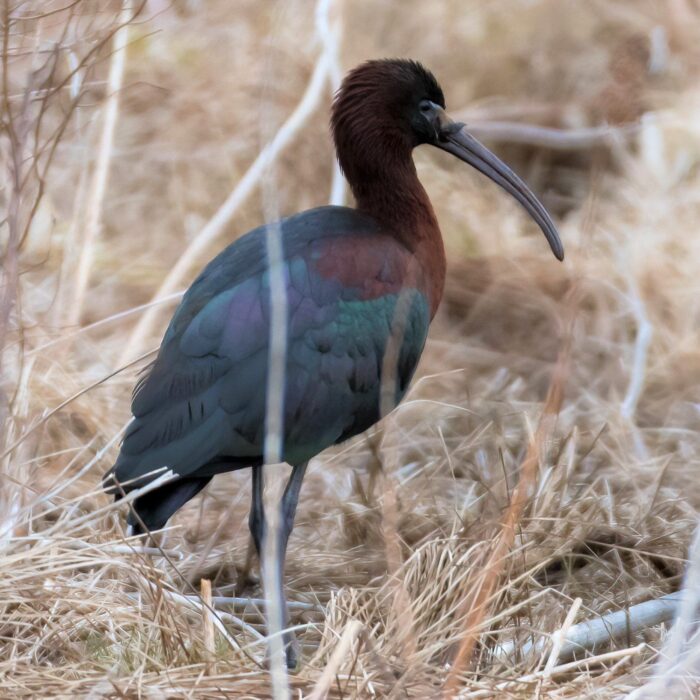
[{"x": 373, "y": 265}]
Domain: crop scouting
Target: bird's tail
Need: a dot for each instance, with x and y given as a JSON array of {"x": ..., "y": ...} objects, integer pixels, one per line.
[{"x": 153, "y": 510}]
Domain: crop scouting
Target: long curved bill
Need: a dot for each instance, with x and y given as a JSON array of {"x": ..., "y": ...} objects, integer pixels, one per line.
[{"x": 455, "y": 139}]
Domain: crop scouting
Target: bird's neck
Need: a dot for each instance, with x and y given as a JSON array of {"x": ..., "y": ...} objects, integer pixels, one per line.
[{"x": 394, "y": 197}]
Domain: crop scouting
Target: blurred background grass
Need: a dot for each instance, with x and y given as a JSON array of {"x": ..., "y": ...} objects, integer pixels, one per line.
[{"x": 206, "y": 83}]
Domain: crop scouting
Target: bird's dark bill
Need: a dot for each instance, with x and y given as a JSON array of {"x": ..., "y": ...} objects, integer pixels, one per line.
[{"x": 455, "y": 139}]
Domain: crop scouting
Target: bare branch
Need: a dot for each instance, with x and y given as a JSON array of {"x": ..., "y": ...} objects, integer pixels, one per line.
[
  {"x": 609, "y": 628},
  {"x": 104, "y": 155},
  {"x": 550, "y": 138}
]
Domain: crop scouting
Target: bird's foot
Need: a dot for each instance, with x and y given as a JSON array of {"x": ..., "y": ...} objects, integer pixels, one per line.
[
  {"x": 246, "y": 577},
  {"x": 292, "y": 652},
  {"x": 246, "y": 582}
]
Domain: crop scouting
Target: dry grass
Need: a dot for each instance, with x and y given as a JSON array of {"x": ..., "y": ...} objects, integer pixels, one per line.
[{"x": 394, "y": 529}]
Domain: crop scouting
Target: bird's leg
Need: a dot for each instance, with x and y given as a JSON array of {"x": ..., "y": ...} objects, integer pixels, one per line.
[
  {"x": 288, "y": 508},
  {"x": 289, "y": 503},
  {"x": 256, "y": 524},
  {"x": 258, "y": 527}
]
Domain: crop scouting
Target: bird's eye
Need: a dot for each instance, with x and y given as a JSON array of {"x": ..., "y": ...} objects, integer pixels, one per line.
[{"x": 426, "y": 105}]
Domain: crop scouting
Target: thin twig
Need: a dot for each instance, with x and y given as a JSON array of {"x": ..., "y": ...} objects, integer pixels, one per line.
[
  {"x": 124, "y": 549},
  {"x": 102, "y": 322},
  {"x": 208, "y": 627},
  {"x": 530, "y": 678},
  {"x": 677, "y": 673},
  {"x": 104, "y": 156},
  {"x": 587, "y": 635},
  {"x": 639, "y": 364},
  {"x": 273, "y": 445},
  {"x": 217, "y": 618},
  {"x": 330, "y": 34},
  {"x": 260, "y": 603},
  {"x": 547, "y": 137},
  {"x": 70, "y": 400},
  {"x": 560, "y": 636},
  {"x": 347, "y": 639}
]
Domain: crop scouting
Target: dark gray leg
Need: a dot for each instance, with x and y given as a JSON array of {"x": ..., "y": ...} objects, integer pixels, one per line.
[
  {"x": 288, "y": 509},
  {"x": 256, "y": 519},
  {"x": 289, "y": 503},
  {"x": 258, "y": 526}
]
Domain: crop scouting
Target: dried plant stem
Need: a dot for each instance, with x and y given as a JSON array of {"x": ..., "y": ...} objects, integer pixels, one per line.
[
  {"x": 101, "y": 173},
  {"x": 587, "y": 635},
  {"x": 562, "y": 669},
  {"x": 207, "y": 627},
  {"x": 477, "y": 600},
  {"x": 112, "y": 318},
  {"x": 273, "y": 445},
  {"x": 118, "y": 549},
  {"x": 559, "y": 637},
  {"x": 347, "y": 639},
  {"x": 401, "y": 606},
  {"x": 68, "y": 401},
  {"x": 641, "y": 347},
  {"x": 546, "y": 137},
  {"x": 217, "y": 617},
  {"x": 645, "y": 332},
  {"x": 330, "y": 35},
  {"x": 272, "y": 584},
  {"x": 677, "y": 673},
  {"x": 401, "y": 603},
  {"x": 259, "y": 602}
]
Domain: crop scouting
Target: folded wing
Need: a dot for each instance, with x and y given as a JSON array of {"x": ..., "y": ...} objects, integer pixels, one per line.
[{"x": 200, "y": 409}]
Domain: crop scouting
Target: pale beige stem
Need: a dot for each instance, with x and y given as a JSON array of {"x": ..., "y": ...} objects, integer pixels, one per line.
[
  {"x": 272, "y": 583},
  {"x": 347, "y": 639},
  {"x": 104, "y": 155},
  {"x": 207, "y": 627},
  {"x": 559, "y": 637}
]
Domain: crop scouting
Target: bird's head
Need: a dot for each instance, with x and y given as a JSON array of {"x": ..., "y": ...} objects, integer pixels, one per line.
[{"x": 385, "y": 108}]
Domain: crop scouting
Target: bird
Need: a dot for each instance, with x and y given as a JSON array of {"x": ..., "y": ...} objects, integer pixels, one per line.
[{"x": 362, "y": 287}]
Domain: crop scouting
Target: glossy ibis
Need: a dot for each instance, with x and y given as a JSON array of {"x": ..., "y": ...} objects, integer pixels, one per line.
[{"x": 200, "y": 409}]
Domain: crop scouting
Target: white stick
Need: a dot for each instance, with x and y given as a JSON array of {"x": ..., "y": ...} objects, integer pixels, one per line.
[
  {"x": 559, "y": 637},
  {"x": 556, "y": 671},
  {"x": 641, "y": 346},
  {"x": 273, "y": 448},
  {"x": 273, "y": 583},
  {"x": 610, "y": 627},
  {"x": 257, "y": 602},
  {"x": 104, "y": 155},
  {"x": 677, "y": 673},
  {"x": 126, "y": 549},
  {"x": 330, "y": 36},
  {"x": 546, "y": 137}
]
